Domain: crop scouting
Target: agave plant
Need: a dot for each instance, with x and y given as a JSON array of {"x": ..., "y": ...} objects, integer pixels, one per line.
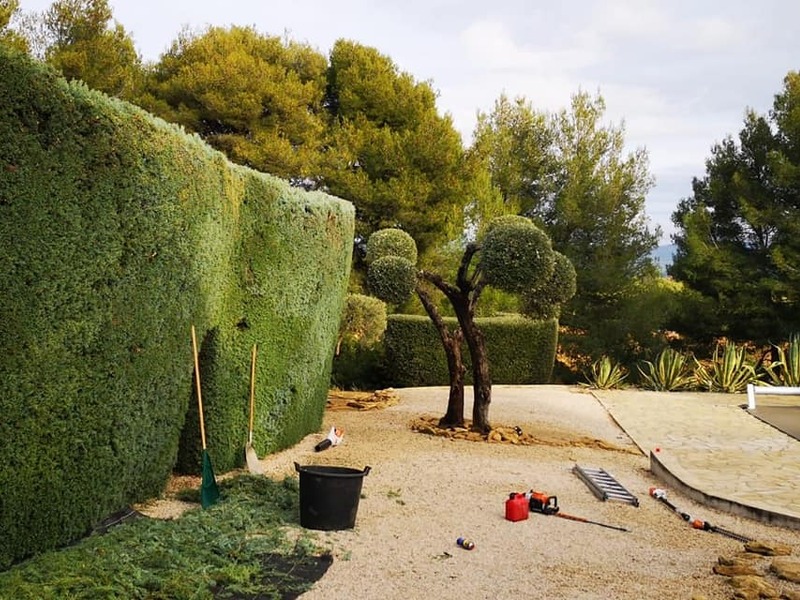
[
  {"x": 786, "y": 371},
  {"x": 606, "y": 374},
  {"x": 729, "y": 373},
  {"x": 671, "y": 372}
]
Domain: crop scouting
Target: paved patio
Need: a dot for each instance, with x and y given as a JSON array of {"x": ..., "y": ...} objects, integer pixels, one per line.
[{"x": 714, "y": 450}]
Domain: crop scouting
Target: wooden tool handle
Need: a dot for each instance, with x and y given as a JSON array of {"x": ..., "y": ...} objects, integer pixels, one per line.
[
  {"x": 252, "y": 390},
  {"x": 199, "y": 394}
]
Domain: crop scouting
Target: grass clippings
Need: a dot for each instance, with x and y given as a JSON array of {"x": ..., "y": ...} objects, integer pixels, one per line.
[{"x": 236, "y": 549}]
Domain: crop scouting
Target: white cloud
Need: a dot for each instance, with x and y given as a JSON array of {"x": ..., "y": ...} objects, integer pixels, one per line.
[
  {"x": 711, "y": 34},
  {"x": 629, "y": 19},
  {"x": 490, "y": 44}
]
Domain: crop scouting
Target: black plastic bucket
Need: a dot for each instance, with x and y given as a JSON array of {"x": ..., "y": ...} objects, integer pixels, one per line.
[{"x": 329, "y": 496}]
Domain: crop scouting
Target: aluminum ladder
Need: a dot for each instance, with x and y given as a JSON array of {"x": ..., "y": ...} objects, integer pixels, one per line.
[{"x": 604, "y": 486}]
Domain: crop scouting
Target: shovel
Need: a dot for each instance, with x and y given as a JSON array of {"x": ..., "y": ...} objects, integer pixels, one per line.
[
  {"x": 253, "y": 464},
  {"x": 209, "y": 492}
]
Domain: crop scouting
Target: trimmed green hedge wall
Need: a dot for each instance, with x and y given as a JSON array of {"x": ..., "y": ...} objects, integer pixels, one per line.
[
  {"x": 521, "y": 351},
  {"x": 117, "y": 232}
]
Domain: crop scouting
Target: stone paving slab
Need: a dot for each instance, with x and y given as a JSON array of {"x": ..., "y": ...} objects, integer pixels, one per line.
[{"x": 713, "y": 447}]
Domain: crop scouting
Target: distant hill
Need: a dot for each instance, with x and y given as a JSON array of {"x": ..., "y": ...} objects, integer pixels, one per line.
[{"x": 662, "y": 256}]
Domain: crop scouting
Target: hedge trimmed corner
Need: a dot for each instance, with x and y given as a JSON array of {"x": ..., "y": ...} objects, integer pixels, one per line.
[
  {"x": 292, "y": 264},
  {"x": 117, "y": 233},
  {"x": 521, "y": 351}
]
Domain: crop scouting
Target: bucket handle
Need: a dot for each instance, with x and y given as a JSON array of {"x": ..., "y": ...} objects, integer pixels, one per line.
[{"x": 299, "y": 469}]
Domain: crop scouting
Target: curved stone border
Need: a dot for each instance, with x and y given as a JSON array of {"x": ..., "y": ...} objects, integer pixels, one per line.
[{"x": 663, "y": 473}]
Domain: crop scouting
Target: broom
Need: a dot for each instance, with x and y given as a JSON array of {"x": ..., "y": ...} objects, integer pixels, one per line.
[
  {"x": 209, "y": 492},
  {"x": 253, "y": 464}
]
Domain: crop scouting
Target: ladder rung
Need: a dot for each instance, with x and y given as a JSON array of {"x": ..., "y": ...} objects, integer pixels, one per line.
[{"x": 604, "y": 486}]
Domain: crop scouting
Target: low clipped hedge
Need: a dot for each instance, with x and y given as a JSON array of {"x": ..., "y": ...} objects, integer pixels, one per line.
[
  {"x": 118, "y": 232},
  {"x": 520, "y": 350},
  {"x": 360, "y": 367}
]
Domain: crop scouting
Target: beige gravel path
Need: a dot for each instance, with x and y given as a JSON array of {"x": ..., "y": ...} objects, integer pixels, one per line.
[{"x": 424, "y": 491}]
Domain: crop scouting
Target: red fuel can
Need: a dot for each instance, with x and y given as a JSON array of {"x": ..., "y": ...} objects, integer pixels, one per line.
[{"x": 517, "y": 507}]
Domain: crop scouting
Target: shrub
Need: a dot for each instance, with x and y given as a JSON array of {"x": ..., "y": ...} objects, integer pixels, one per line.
[
  {"x": 359, "y": 367},
  {"x": 392, "y": 278},
  {"x": 606, "y": 374},
  {"x": 629, "y": 327},
  {"x": 545, "y": 301},
  {"x": 358, "y": 362},
  {"x": 729, "y": 373},
  {"x": 786, "y": 371},
  {"x": 521, "y": 351},
  {"x": 671, "y": 372},
  {"x": 119, "y": 231},
  {"x": 506, "y": 255},
  {"x": 391, "y": 242},
  {"x": 363, "y": 321}
]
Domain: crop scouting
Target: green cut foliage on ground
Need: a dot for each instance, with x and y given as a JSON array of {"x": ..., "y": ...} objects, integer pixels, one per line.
[{"x": 236, "y": 549}]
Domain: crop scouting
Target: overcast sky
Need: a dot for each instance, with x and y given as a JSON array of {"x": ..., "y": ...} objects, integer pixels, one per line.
[{"x": 679, "y": 73}]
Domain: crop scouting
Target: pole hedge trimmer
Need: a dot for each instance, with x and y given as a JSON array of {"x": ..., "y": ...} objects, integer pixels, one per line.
[{"x": 661, "y": 496}]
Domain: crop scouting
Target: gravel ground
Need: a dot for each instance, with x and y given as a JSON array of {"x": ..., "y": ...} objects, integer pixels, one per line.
[{"x": 424, "y": 491}]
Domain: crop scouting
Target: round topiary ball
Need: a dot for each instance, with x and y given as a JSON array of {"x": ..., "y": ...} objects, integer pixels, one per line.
[
  {"x": 545, "y": 300},
  {"x": 507, "y": 220},
  {"x": 516, "y": 255},
  {"x": 391, "y": 242},
  {"x": 363, "y": 320},
  {"x": 564, "y": 282},
  {"x": 392, "y": 279},
  {"x": 539, "y": 309}
]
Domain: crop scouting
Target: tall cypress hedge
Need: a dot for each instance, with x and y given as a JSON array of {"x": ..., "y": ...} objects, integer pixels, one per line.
[{"x": 118, "y": 232}]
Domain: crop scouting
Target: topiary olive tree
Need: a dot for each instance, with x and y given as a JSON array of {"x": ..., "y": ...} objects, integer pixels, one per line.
[
  {"x": 392, "y": 276},
  {"x": 514, "y": 255}
]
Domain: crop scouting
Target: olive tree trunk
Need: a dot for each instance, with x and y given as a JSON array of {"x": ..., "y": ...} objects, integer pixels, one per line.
[
  {"x": 451, "y": 342},
  {"x": 481, "y": 378},
  {"x": 463, "y": 297}
]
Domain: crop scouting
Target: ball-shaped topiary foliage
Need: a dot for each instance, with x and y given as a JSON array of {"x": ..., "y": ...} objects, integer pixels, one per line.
[
  {"x": 544, "y": 301},
  {"x": 391, "y": 242},
  {"x": 563, "y": 283},
  {"x": 506, "y": 220},
  {"x": 363, "y": 320},
  {"x": 537, "y": 308},
  {"x": 392, "y": 279},
  {"x": 516, "y": 255}
]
